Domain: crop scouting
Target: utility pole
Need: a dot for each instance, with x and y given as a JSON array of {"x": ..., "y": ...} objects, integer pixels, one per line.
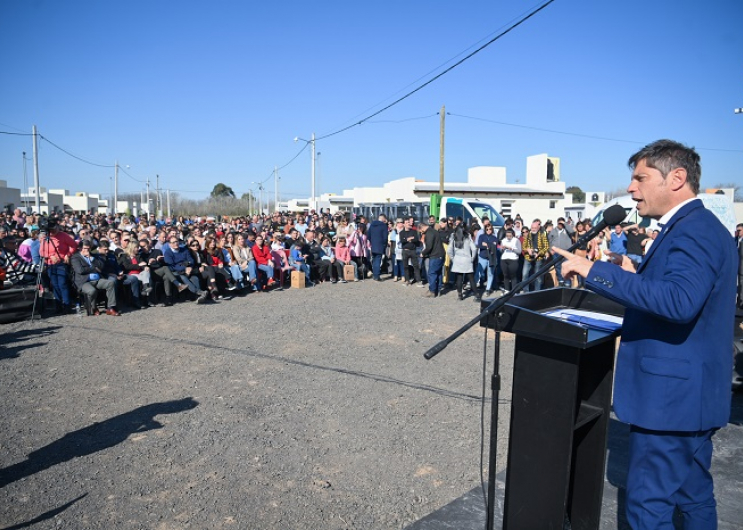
[
  {"x": 441, "y": 151},
  {"x": 275, "y": 189},
  {"x": 116, "y": 188},
  {"x": 169, "y": 205},
  {"x": 312, "y": 202},
  {"x": 25, "y": 184},
  {"x": 148, "y": 198},
  {"x": 36, "y": 171},
  {"x": 158, "y": 207}
]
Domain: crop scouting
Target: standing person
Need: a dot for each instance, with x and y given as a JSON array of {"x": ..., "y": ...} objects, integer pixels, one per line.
[
  {"x": 618, "y": 241},
  {"x": 560, "y": 238},
  {"x": 635, "y": 240},
  {"x": 434, "y": 252},
  {"x": 408, "y": 239},
  {"x": 378, "y": 234},
  {"x": 487, "y": 258},
  {"x": 396, "y": 251},
  {"x": 534, "y": 248},
  {"x": 56, "y": 248},
  {"x": 673, "y": 368},
  {"x": 462, "y": 251},
  {"x": 509, "y": 260}
]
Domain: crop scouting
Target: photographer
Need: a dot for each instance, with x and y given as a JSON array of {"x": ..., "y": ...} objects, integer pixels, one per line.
[{"x": 56, "y": 249}]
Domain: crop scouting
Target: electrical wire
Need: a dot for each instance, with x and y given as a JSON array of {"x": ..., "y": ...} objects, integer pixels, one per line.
[
  {"x": 441, "y": 65},
  {"x": 128, "y": 175},
  {"x": 452, "y": 67},
  {"x": 70, "y": 154},
  {"x": 406, "y": 119},
  {"x": 580, "y": 135},
  {"x": 16, "y": 134}
]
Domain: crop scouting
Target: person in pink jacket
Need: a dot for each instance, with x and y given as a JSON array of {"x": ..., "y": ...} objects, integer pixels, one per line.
[{"x": 343, "y": 256}]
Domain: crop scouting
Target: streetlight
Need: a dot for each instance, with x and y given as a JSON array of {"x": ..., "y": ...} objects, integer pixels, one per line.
[
  {"x": 739, "y": 110},
  {"x": 312, "y": 145},
  {"x": 260, "y": 199}
]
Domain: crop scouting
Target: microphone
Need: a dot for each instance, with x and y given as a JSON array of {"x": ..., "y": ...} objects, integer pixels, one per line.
[{"x": 612, "y": 216}]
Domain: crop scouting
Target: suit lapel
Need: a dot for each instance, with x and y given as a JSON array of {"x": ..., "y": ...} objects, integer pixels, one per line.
[{"x": 683, "y": 212}]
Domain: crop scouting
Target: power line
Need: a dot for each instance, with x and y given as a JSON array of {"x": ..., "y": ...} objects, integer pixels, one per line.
[
  {"x": 16, "y": 134},
  {"x": 70, "y": 154},
  {"x": 440, "y": 66},
  {"x": 406, "y": 119},
  {"x": 128, "y": 175},
  {"x": 452, "y": 67},
  {"x": 580, "y": 135}
]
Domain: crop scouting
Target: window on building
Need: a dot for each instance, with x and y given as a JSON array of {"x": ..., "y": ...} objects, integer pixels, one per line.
[{"x": 553, "y": 205}]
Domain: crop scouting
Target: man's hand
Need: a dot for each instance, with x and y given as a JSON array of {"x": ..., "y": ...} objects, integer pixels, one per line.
[
  {"x": 573, "y": 265},
  {"x": 621, "y": 260}
]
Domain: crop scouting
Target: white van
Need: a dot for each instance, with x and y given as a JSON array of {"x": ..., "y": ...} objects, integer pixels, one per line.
[{"x": 718, "y": 204}]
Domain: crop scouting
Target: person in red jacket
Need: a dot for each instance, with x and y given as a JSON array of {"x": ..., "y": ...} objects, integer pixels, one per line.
[{"x": 262, "y": 254}]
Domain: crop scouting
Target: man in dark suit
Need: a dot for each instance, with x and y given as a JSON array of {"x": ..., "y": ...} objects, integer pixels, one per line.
[{"x": 673, "y": 371}]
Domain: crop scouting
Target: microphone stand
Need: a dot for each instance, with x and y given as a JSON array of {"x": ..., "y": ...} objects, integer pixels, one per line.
[{"x": 495, "y": 380}]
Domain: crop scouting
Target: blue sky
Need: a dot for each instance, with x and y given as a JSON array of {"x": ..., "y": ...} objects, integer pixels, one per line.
[{"x": 208, "y": 92}]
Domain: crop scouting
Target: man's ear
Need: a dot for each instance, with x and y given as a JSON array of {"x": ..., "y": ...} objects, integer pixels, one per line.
[{"x": 677, "y": 178}]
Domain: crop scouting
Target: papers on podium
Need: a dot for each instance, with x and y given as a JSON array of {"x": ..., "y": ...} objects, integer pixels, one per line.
[{"x": 587, "y": 319}]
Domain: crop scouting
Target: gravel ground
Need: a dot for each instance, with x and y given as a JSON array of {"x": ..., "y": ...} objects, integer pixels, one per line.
[
  {"x": 291, "y": 410},
  {"x": 298, "y": 409}
]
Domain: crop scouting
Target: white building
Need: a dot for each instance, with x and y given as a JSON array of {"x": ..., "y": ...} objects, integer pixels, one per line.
[
  {"x": 49, "y": 202},
  {"x": 10, "y": 198},
  {"x": 79, "y": 202},
  {"x": 541, "y": 195}
]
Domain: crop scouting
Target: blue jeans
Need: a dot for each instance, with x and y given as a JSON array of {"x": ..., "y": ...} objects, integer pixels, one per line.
[
  {"x": 132, "y": 281},
  {"x": 635, "y": 257},
  {"x": 398, "y": 270},
  {"x": 435, "y": 274},
  {"x": 377, "y": 265},
  {"x": 58, "y": 275},
  {"x": 192, "y": 282},
  {"x": 560, "y": 280},
  {"x": 530, "y": 267},
  {"x": 483, "y": 269},
  {"x": 259, "y": 279}
]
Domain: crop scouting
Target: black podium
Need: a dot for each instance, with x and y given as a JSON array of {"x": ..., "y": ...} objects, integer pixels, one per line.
[{"x": 562, "y": 384}]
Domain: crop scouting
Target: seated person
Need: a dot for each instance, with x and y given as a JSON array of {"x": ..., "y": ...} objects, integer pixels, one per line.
[
  {"x": 136, "y": 272},
  {"x": 343, "y": 257},
  {"x": 181, "y": 264},
  {"x": 299, "y": 259},
  {"x": 328, "y": 266},
  {"x": 262, "y": 254},
  {"x": 243, "y": 258},
  {"x": 156, "y": 262},
  {"x": 88, "y": 269}
]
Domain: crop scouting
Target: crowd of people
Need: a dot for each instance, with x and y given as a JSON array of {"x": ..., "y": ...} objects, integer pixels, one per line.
[{"x": 147, "y": 260}]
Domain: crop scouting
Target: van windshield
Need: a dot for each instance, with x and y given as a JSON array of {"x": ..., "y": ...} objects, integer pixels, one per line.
[
  {"x": 632, "y": 217},
  {"x": 483, "y": 209}
]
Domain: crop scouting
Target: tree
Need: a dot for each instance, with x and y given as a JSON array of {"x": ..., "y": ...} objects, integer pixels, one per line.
[
  {"x": 579, "y": 196},
  {"x": 222, "y": 190}
]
